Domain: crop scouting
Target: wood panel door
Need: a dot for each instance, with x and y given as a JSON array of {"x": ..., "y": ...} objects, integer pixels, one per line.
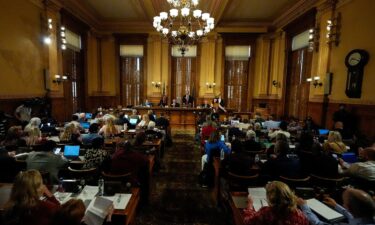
[
  {"x": 297, "y": 88},
  {"x": 184, "y": 70}
]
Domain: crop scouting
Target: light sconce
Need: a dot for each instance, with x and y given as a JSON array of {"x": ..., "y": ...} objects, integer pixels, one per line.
[
  {"x": 316, "y": 81},
  {"x": 156, "y": 84},
  {"x": 47, "y": 39},
  {"x": 275, "y": 83},
  {"x": 314, "y": 39},
  {"x": 210, "y": 85},
  {"x": 333, "y": 30},
  {"x": 58, "y": 79},
  {"x": 63, "y": 38}
]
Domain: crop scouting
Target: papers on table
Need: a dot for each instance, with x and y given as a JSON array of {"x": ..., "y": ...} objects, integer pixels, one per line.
[
  {"x": 63, "y": 197},
  {"x": 120, "y": 201},
  {"x": 240, "y": 201},
  {"x": 259, "y": 196},
  {"x": 97, "y": 211},
  {"x": 323, "y": 210},
  {"x": 88, "y": 192}
]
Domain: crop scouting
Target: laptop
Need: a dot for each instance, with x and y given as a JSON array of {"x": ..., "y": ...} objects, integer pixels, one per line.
[
  {"x": 85, "y": 125},
  {"x": 349, "y": 157},
  {"x": 71, "y": 152},
  {"x": 133, "y": 121},
  {"x": 323, "y": 131},
  {"x": 88, "y": 115}
]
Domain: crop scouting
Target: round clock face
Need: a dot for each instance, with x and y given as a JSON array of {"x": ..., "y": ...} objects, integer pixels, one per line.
[{"x": 354, "y": 58}]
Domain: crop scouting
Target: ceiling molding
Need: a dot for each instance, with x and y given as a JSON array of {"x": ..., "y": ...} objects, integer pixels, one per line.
[
  {"x": 251, "y": 29},
  {"x": 294, "y": 12},
  {"x": 82, "y": 12}
]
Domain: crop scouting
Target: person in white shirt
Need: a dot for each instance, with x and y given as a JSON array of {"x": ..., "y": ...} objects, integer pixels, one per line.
[
  {"x": 145, "y": 122},
  {"x": 364, "y": 170},
  {"x": 283, "y": 126}
]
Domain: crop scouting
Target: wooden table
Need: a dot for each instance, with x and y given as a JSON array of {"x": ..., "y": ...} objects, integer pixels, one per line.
[
  {"x": 238, "y": 218},
  {"x": 130, "y": 211}
]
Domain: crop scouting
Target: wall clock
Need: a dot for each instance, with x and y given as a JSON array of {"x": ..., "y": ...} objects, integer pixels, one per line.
[{"x": 355, "y": 61}]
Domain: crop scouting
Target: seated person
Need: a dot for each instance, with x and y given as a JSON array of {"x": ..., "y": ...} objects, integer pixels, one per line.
[
  {"x": 122, "y": 120},
  {"x": 25, "y": 205},
  {"x": 163, "y": 101},
  {"x": 283, "y": 164},
  {"x": 75, "y": 121},
  {"x": 322, "y": 163},
  {"x": 258, "y": 118},
  {"x": 283, "y": 126},
  {"x": 175, "y": 103},
  {"x": 359, "y": 208},
  {"x": 93, "y": 133},
  {"x": 235, "y": 132},
  {"x": 95, "y": 156},
  {"x": 207, "y": 129},
  {"x": 145, "y": 122},
  {"x": 151, "y": 115},
  {"x": 270, "y": 123},
  {"x": 187, "y": 99},
  {"x": 205, "y": 104},
  {"x": 334, "y": 143},
  {"x": 14, "y": 137},
  {"x": 346, "y": 134},
  {"x": 126, "y": 160},
  {"x": 44, "y": 159},
  {"x": 33, "y": 134},
  {"x": 282, "y": 209},
  {"x": 162, "y": 122},
  {"x": 109, "y": 129},
  {"x": 70, "y": 134},
  {"x": 250, "y": 145},
  {"x": 364, "y": 170},
  {"x": 214, "y": 144},
  {"x": 147, "y": 103}
]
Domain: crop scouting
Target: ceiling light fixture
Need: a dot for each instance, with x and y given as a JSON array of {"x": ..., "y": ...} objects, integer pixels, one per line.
[{"x": 185, "y": 24}]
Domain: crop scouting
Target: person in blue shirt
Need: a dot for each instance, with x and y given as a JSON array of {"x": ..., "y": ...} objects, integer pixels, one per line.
[
  {"x": 93, "y": 133},
  {"x": 213, "y": 147},
  {"x": 359, "y": 208}
]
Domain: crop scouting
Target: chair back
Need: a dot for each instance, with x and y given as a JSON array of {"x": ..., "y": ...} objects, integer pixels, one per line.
[
  {"x": 124, "y": 178},
  {"x": 241, "y": 182},
  {"x": 296, "y": 182},
  {"x": 331, "y": 184},
  {"x": 89, "y": 175}
]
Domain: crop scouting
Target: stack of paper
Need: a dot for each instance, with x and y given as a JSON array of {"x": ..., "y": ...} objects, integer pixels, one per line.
[
  {"x": 323, "y": 210},
  {"x": 259, "y": 196},
  {"x": 97, "y": 211}
]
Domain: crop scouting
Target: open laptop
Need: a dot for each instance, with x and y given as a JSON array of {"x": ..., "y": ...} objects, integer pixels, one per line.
[
  {"x": 323, "y": 131},
  {"x": 85, "y": 125},
  {"x": 133, "y": 121},
  {"x": 234, "y": 122},
  {"x": 71, "y": 152},
  {"x": 88, "y": 115}
]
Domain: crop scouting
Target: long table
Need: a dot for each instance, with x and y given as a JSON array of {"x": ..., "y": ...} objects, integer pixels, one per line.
[{"x": 179, "y": 117}]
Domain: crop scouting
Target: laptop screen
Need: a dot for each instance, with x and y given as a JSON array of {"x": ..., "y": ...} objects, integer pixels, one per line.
[
  {"x": 88, "y": 115},
  {"x": 71, "y": 150},
  {"x": 323, "y": 131},
  {"x": 85, "y": 125},
  {"x": 222, "y": 137},
  {"x": 133, "y": 121}
]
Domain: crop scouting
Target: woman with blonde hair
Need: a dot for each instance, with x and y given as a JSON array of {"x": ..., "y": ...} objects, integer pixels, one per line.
[
  {"x": 109, "y": 129},
  {"x": 334, "y": 143},
  {"x": 70, "y": 134},
  {"x": 282, "y": 209},
  {"x": 33, "y": 132},
  {"x": 145, "y": 122},
  {"x": 24, "y": 205}
]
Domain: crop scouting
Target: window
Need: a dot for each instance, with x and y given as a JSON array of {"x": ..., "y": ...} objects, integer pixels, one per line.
[{"x": 132, "y": 77}]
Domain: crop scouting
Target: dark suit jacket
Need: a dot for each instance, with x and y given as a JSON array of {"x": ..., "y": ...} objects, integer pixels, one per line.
[
  {"x": 176, "y": 105},
  {"x": 187, "y": 101}
]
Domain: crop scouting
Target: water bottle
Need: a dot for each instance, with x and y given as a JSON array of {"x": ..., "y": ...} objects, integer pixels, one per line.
[
  {"x": 256, "y": 159},
  {"x": 128, "y": 187},
  {"x": 101, "y": 187},
  {"x": 60, "y": 187},
  {"x": 222, "y": 154}
]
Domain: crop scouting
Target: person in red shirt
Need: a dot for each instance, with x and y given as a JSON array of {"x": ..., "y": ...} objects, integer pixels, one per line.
[
  {"x": 24, "y": 205},
  {"x": 282, "y": 209}
]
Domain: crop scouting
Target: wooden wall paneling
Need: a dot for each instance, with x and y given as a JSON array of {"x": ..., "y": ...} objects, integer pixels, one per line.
[{"x": 103, "y": 101}]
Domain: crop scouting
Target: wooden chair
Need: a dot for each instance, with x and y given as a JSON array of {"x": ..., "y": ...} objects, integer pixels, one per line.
[
  {"x": 89, "y": 175},
  {"x": 332, "y": 184},
  {"x": 125, "y": 177},
  {"x": 296, "y": 182},
  {"x": 241, "y": 182}
]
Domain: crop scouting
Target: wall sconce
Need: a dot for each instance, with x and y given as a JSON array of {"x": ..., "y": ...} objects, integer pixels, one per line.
[
  {"x": 316, "y": 81},
  {"x": 314, "y": 39},
  {"x": 156, "y": 84},
  {"x": 275, "y": 83},
  {"x": 47, "y": 39},
  {"x": 210, "y": 85},
  {"x": 58, "y": 79},
  {"x": 63, "y": 37},
  {"x": 333, "y": 30}
]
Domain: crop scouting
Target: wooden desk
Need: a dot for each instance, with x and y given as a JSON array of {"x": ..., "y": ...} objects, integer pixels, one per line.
[
  {"x": 179, "y": 117},
  {"x": 130, "y": 211}
]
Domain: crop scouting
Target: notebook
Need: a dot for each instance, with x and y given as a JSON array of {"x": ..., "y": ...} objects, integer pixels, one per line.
[
  {"x": 259, "y": 196},
  {"x": 71, "y": 151},
  {"x": 323, "y": 131},
  {"x": 324, "y": 211}
]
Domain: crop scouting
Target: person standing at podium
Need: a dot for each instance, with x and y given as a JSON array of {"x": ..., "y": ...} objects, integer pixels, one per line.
[{"x": 188, "y": 100}]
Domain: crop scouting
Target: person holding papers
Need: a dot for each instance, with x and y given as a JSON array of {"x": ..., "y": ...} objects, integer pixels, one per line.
[
  {"x": 359, "y": 208},
  {"x": 281, "y": 210},
  {"x": 26, "y": 205}
]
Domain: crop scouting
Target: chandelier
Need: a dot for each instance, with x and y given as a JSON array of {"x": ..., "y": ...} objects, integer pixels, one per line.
[{"x": 184, "y": 25}]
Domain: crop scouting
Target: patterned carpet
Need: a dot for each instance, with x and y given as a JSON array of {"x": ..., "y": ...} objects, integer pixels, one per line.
[{"x": 176, "y": 196}]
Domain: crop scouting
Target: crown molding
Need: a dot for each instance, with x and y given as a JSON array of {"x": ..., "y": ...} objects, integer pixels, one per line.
[{"x": 294, "y": 12}]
